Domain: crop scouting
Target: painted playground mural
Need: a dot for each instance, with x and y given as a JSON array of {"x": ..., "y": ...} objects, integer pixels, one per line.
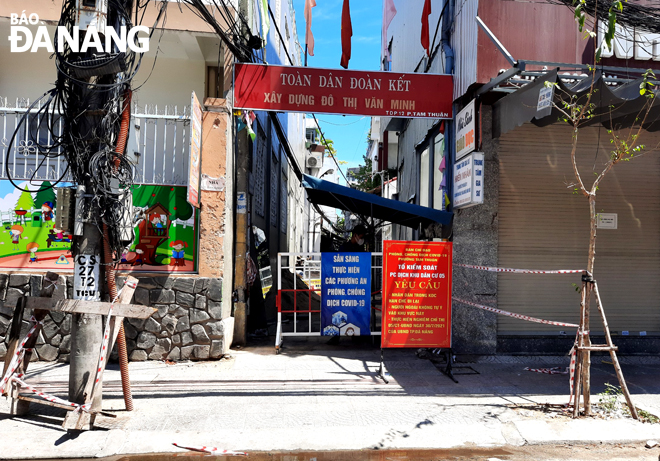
[{"x": 166, "y": 232}]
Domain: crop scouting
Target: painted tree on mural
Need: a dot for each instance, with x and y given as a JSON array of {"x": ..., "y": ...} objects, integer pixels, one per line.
[
  {"x": 25, "y": 201},
  {"x": 175, "y": 203},
  {"x": 46, "y": 193},
  {"x": 157, "y": 201},
  {"x": 625, "y": 144}
]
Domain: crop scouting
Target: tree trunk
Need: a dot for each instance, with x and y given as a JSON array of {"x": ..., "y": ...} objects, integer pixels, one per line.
[
  {"x": 586, "y": 356},
  {"x": 592, "y": 233}
]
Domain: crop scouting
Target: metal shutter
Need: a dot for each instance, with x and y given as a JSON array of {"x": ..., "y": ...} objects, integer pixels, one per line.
[{"x": 544, "y": 225}]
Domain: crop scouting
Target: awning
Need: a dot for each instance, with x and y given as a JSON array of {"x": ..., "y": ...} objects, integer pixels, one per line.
[
  {"x": 614, "y": 106},
  {"x": 334, "y": 195}
]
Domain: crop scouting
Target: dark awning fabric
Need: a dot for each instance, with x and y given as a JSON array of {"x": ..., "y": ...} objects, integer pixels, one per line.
[
  {"x": 334, "y": 195},
  {"x": 613, "y": 106}
]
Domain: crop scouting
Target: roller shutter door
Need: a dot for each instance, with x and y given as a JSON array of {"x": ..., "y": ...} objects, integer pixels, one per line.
[{"x": 543, "y": 224}]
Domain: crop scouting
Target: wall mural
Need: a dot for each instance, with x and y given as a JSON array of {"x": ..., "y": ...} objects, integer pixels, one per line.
[{"x": 166, "y": 233}]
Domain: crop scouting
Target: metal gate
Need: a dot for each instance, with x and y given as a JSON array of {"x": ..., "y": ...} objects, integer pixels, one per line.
[{"x": 299, "y": 305}]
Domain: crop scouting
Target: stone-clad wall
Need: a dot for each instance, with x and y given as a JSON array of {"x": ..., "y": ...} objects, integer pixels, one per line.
[{"x": 187, "y": 324}]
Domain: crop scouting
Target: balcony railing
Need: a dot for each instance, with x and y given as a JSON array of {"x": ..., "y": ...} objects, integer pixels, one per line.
[{"x": 162, "y": 138}]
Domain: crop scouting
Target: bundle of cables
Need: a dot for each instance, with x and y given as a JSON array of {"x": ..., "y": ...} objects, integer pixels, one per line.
[{"x": 89, "y": 100}]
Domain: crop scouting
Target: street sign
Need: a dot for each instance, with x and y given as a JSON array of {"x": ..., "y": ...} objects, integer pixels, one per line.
[
  {"x": 416, "y": 294},
  {"x": 348, "y": 92},
  {"x": 469, "y": 181},
  {"x": 86, "y": 278}
]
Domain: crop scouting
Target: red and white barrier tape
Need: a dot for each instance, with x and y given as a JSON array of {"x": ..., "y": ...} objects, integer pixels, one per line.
[
  {"x": 573, "y": 351},
  {"x": 104, "y": 345},
  {"x": 212, "y": 450},
  {"x": 548, "y": 371},
  {"x": 516, "y": 316},
  {"x": 103, "y": 354},
  {"x": 50, "y": 398},
  {"x": 18, "y": 356},
  {"x": 521, "y": 271},
  {"x": 130, "y": 285},
  {"x": 572, "y": 372}
]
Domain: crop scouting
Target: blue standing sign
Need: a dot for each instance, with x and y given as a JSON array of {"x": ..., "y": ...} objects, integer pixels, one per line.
[{"x": 345, "y": 294}]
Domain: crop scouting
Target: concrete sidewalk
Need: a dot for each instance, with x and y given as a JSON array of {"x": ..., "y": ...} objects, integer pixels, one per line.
[{"x": 319, "y": 397}]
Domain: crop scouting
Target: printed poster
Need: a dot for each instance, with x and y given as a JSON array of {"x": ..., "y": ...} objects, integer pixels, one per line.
[
  {"x": 416, "y": 294},
  {"x": 345, "y": 294}
]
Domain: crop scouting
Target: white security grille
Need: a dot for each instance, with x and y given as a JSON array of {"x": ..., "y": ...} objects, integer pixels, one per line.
[{"x": 163, "y": 139}]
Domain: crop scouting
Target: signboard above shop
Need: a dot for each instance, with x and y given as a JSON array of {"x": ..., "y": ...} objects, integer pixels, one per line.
[
  {"x": 469, "y": 181},
  {"x": 337, "y": 91},
  {"x": 466, "y": 140}
]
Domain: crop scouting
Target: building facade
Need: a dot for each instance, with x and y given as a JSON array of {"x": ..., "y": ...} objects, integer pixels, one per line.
[
  {"x": 530, "y": 217},
  {"x": 185, "y": 261}
]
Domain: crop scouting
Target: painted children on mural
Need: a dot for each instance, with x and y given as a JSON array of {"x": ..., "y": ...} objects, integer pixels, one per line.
[
  {"x": 56, "y": 235},
  {"x": 32, "y": 247},
  {"x": 15, "y": 233},
  {"x": 138, "y": 261},
  {"x": 47, "y": 212},
  {"x": 178, "y": 253},
  {"x": 157, "y": 225}
]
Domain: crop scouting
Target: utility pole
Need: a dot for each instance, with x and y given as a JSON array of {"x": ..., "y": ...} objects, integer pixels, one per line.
[
  {"x": 241, "y": 238},
  {"x": 242, "y": 154},
  {"x": 86, "y": 329},
  {"x": 90, "y": 136}
]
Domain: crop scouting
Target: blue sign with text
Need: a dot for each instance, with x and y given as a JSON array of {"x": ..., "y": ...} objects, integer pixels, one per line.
[{"x": 345, "y": 294}]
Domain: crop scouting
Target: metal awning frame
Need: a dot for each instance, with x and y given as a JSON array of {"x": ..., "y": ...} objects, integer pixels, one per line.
[
  {"x": 517, "y": 76},
  {"x": 509, "y": 80}
]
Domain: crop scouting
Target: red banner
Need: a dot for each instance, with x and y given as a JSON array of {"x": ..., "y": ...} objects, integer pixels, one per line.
[
  {"x": 416, "y": 294},
  {"x": 336, "y": 91}
]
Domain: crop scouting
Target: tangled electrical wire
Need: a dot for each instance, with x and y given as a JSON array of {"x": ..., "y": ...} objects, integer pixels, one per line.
[
  {"x": 237, "y": 37},
  {"x": 641, "y": 15},
  {"x": 91, "y": 103},
  {"x": 91, "y": 93}
]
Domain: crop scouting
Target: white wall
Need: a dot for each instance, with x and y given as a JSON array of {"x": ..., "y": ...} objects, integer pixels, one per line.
[
  {"x": 171, "y": 82},
  {"x": 180, "y": 68}
]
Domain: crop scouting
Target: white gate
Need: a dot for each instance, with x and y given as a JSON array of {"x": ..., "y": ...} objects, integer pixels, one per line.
[{"x": 299, "y": 306}]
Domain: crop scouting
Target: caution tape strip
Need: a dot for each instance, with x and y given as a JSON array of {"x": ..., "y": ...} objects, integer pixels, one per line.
[
  {"x": 517, "y": 316},
  {"x": 16, "y": 362},
  {"x": 548, "y": 371},
  {"x": 573, "y": 351},
  {"x": 103, "y": 353},
  {"x": 212, "y": 450},
  {"x": 521, "y": 271},
  {"x": 50, "y": 398},
  {"x": 18, "y": 356}
]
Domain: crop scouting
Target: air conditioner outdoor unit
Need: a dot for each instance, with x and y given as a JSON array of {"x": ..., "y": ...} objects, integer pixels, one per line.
[{"x": 314, "y": 160}]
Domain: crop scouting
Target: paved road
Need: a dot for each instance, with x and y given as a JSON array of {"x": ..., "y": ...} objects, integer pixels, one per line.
[{"x": 319, "y": 397}]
